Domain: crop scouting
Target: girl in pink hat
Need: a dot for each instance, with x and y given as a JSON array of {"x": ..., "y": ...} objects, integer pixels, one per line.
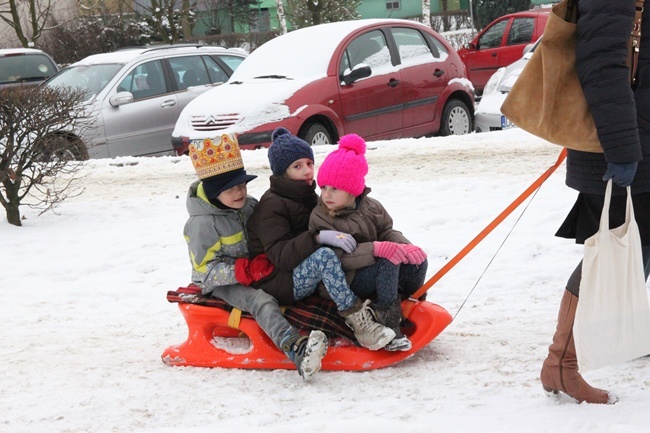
[
  {"x": 303, "y": 259},
  {"x": 385, "y": 265}
]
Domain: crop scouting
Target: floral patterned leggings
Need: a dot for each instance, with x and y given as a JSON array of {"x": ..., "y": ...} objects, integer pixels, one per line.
[{"x": 323, "y": 265}]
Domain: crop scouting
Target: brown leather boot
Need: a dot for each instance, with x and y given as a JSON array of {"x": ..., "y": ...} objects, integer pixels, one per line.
[{"x": 560, "y": 369}]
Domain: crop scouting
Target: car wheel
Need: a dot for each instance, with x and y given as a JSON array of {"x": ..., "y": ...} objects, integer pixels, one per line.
[
  {"x": 60, "y": 148},
  {"x": 456, "y": 118},
  {"x": 316, "y": 135}
]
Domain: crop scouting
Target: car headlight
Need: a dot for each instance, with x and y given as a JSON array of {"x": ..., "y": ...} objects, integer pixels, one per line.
[
  {"x": 507, "y": 82},
  {"x": 494, "y": 80}
]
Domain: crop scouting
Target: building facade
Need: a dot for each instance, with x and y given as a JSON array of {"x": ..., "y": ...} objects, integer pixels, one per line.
[
  {"x": 268, "y": 18},
  {"x": 61, "y": 10}
]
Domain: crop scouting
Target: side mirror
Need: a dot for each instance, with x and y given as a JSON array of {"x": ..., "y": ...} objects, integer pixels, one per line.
[
  {"x": 121, "y": 98},
  {"x": 527, "y": 48},
  {"x": 360, "y": 71}
]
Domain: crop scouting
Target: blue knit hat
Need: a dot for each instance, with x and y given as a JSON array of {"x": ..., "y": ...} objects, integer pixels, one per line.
[{"x": 285, "y": 149}]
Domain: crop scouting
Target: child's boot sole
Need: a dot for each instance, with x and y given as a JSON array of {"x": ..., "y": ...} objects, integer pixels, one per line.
[{"x": 314, "y": 353}]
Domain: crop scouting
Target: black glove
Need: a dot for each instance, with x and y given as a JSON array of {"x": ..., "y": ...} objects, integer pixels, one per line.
[{"x": 621, "y": 173}]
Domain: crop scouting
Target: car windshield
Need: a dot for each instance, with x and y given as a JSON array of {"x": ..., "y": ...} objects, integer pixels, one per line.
[
  {"x": 25, "y": 67},
  {"x": 89, "y": 78}
]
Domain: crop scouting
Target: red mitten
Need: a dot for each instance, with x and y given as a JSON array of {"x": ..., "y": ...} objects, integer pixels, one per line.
[
  {"x": 414, "y": 254},
  {"x": 261, "y": 267},
  {"x": 248, "y": 271},
  {"x": 391, "y": 251},
  {"x": 241, "y": 271}
]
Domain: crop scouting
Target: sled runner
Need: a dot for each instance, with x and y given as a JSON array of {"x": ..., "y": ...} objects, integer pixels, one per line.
[
  {"x": 210, "y": 321},
  {"x": 208, "y": 318}
]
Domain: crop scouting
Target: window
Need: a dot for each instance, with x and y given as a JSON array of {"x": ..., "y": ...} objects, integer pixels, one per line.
[
  {"x": 492, "y": 36},
  {"x": 145, "y": 80},
  {"x": 412, "y": 47},
  {"x": 231, "y": 61},
  {"x": 190, "y": 71},
  {"x": 521, "y": 31},
  {"x": 438, "y": 50},
  {"x": 89, "y": 79},
  {"x": 29, "y": 66},
  {"x": 261, "y": 22},
  {"x": 369, "y": 49},
  {"x": 390, "y": 5},
  {"x": 216, "y": 73}
]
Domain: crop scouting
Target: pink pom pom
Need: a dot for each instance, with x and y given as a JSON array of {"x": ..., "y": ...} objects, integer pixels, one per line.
[{"x": 354, "y": 143}]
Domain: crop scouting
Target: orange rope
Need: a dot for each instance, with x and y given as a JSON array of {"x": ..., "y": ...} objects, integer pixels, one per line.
[{"x": 498, "y": 220}]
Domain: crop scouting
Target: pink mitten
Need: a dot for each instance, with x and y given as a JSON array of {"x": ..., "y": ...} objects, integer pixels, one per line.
[
  {"x": 391, "y": 251},
  {"x": 414, "y": 254}
]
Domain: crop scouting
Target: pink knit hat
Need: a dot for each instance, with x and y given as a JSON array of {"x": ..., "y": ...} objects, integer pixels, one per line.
[{"x": 346, "y": 167}]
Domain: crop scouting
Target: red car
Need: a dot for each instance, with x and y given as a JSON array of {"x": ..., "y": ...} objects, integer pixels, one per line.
[
  {"x": 501, "y": 43},
  {"x": 381, "y": 79}
]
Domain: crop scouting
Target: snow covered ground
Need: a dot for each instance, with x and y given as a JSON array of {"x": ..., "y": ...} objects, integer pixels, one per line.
[{"x": 82, "y": 301}]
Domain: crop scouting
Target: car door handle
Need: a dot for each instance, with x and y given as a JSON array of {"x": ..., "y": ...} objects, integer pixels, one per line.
[
  {"x": 168, "y": 103},
  {"x": 439, "y": 73},
  {"x": 494, "y": 54},
  {"x": 393, "y": 82}
]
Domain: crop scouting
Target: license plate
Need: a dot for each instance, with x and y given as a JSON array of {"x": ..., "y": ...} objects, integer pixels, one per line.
[{"x": 507, "y": 123}]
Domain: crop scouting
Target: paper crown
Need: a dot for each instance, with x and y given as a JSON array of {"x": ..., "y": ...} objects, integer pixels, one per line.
[{"x": 212, "y": 158}]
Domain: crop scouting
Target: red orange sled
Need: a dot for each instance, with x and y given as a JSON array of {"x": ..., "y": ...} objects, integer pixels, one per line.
[{"x": 205, "y": 323}]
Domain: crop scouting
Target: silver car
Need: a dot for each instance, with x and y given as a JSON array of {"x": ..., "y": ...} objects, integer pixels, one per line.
[
  {"x": 488, "y": 111},
  {"x": 136, "y": 95}
]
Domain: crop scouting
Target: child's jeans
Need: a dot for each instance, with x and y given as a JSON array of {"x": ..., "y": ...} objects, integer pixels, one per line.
[
  {"x": 262, "y": 306},
  {"x": 323, "y": 265},
  {"x": 387, "y": 280}
]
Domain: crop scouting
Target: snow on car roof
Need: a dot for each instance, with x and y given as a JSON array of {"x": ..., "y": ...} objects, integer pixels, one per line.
[
  {"x": 121, "y": 56},
  {"x": 5, "y": 51},
  {"x": 304, "y": 52},
  {"x": 126, "y": 55}
]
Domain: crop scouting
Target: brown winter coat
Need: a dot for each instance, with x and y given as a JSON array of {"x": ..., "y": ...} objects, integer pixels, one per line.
[
  {"x": 279, "y": 227},
  {"x": 367, "y": 223}
]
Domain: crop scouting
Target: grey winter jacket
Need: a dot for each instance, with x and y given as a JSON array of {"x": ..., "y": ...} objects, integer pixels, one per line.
[
  {"x": 215, "y": 239},
  {"x": 621, "y": 113}
]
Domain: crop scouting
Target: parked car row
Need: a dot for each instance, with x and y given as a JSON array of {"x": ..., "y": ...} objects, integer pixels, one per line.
[{"x": 379, "y": 78}]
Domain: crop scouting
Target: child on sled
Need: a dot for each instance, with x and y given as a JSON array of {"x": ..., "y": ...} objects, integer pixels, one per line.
[
  {"x": 279, "y": 228},
  {"x": 222, "y": 267},
  {"x": 385, "y": 265}
]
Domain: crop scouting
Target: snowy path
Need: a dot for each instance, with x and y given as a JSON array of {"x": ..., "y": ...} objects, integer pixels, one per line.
[{"x": 82, "y": 295}]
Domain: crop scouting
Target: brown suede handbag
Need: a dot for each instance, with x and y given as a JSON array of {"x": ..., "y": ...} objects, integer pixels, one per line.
[{"x": 547, "y": 99}]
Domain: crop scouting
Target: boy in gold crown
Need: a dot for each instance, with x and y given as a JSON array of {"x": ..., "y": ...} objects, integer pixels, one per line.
[{"x": 219, "y": 208}]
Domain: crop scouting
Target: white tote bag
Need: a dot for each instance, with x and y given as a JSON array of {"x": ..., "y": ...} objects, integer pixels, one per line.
[{"x": 612, "y": 323}]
